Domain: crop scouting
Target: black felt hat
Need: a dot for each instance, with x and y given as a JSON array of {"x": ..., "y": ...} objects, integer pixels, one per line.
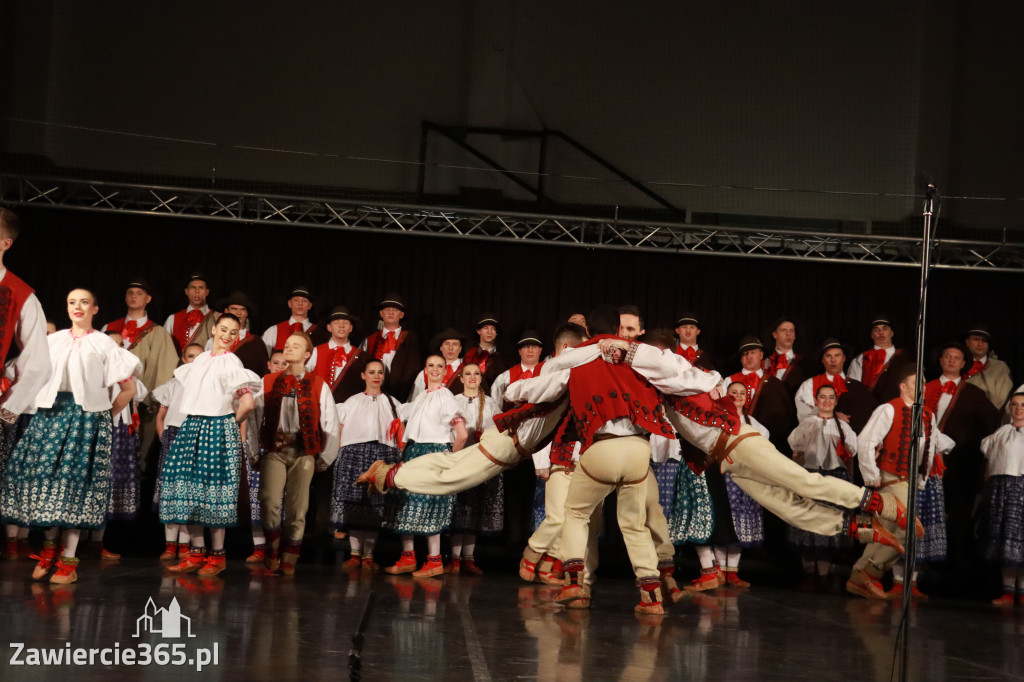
[
  {"x": 237, "y": 298},
  {"x": 392, "y": 300},
  {"x": 750, "y": 342},
  {"x": 529, "y": 338},
  {"x": 688, "y": 318},
  {"x": 302, "y": 290}
]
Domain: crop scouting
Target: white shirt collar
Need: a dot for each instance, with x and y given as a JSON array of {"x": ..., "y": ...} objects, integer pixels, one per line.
[
  {"x": 306, "y": 324},
  {"x": 204, "y": 310},
  {"x": 943, "y": 380},
  {"x": 139, "y": 321},
  {"x": 759, "y": 373},
  {"x": 396, "y": 330}
]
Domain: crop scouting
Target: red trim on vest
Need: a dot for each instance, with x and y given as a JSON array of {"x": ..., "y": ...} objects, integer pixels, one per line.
[
  {"x": 894, "y": 452},
  {"x": 515, "y": 372},
  {"x": 307, "y": 398},
  {"x": 932, "y": 394},
  {"x": 600, "y": 392},
  {"x": 701, "y": 409},
  {"x": 13, "y": 294}
]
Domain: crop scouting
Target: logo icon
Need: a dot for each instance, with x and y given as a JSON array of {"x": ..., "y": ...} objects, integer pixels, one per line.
[{"x": 166, "y": 622}]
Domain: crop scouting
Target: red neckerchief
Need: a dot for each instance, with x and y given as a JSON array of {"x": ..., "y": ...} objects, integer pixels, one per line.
[{"x": 874, "y": 361}]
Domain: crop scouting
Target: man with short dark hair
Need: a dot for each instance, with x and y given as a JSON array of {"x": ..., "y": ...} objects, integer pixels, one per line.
[
  {"x": 856, "y": 401},
  {"x": 984, "y": 369},
  {"x": 398, "y": 348},
  {"x": 878, "y": 367},
  {"x": 184, "y": 325},
  {"x": 300, "y": 302}
]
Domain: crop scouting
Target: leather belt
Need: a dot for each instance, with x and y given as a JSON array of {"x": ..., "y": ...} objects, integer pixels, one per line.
[
  {"x": 609, "y": 436},
  {"x": 285, "y": 440},
  {"x": 723, "y": 448}
]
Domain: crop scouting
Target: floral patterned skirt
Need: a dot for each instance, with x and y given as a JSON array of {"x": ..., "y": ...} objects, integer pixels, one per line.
[
  {"x": 480, "y": 510},
  {"x": 815, "y": 545},
  {"x": 1003, "y": 520},
  {"x": 690, "y": 519},
  {"x": 124, "y": 473},
  {"x": 414, "y": 513},
  {"x": 931, "y": 509},
  {"x": 351, "y": 506},
  {"x": 59, "y": 471},
  {"x": 166, "y": 438},
  {"x": 200, "y": 476}
]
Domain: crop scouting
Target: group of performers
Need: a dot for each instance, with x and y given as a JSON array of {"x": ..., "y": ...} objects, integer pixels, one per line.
[{"x": 261, "y": 430}]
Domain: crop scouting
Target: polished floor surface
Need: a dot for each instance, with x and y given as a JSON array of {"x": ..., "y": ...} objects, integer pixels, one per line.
[{"x": 491, "y": 627}]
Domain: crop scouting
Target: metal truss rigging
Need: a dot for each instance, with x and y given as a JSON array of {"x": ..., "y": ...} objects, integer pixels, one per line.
[{"x": 347, "y": 215}]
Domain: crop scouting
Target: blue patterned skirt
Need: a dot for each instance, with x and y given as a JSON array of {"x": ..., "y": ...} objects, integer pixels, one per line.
[
  {"x": 59, "y": 472},
  {"x": 480, "y": 510},
  {"x": 249, "y": 488},
  {"x": 690, "y": 519},
  {"x": 351, "y": 506},
  {"x": 931, "y": 509},
  {"x": 817, "y": 546},
  {"x": 416, "y": 514},
  {"x": 1003, "y": 520},
  {"x": 166, "y": 438},
  {"x": 539, "y": 500},
  {"x": 124, "y": 474},
  {"x": 665, "y": 474},
  {"x": 747, "y": 515},
  {"x": 201, "y": 473}
]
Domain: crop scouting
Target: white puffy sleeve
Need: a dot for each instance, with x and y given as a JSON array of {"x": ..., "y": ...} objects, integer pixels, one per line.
[
  {"x": 163, "y": 393},
  {"x": 119, "y": 365},
  {"x": 235, "y": 378}
]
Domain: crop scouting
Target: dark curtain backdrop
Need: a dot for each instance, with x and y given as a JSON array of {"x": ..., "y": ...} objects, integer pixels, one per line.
[{"x": 451, "y": 281}]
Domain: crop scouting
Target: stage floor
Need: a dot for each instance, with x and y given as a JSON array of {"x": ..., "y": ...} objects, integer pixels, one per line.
[{"x": 491, "y": 627}]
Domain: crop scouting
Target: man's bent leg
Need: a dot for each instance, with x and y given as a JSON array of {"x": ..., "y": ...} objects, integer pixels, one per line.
[
  {"x": 801, "y": 512},
  {"x": 656, "y": 521},
  {"x": 757, "y": 459},
  {"x": 443, "y": 473}
]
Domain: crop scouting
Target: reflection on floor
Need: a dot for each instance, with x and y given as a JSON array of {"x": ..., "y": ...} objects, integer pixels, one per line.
[{"x": 489, "y": 627}]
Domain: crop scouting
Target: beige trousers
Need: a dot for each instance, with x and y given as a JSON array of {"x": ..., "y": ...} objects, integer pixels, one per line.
[
  {"x": 546, "y": 539},
  {"x": 786, "y": 489},
  {"x": 656, "y": 521},
  {"x": 286, "y": 473},
  {"x": 447, "y": 473},
  {"x": 622, "y": 463},
  {"x": 878, "y": 558}
]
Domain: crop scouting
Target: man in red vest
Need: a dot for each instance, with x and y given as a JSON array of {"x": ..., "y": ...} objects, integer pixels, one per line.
[
  {"x": 530, "y": 348},
  {"x": 22, "y": 322},
  {"x": 153, "y": 346},
  {"x": 884, "y": 456},
  {"x": 856, "y": 401},
  {"x": 300, "y": 302},
  {"x": 878, "y": 367},
  {"x": 397, "y": 347},
  {"x": 298, "y": 433},
  {"x": 184, "y": 325},
  {"x": 338, "y": 358},
  {"x": 687, "y": 329}
]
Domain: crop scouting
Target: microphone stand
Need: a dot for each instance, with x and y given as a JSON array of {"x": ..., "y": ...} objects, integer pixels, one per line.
[{"x": 932, "y": 201}]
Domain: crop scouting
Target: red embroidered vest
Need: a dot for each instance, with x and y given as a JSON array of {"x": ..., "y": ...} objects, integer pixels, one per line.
[
  {"x": 325, "y": 357},
  {"x": 13, "y": 294},
  {"x": 714, "y": 414},
  {"x": 183, "y": 331},
  {"x": 751, "y": 381},
  {"x": 478, "y": 356},
  {"x": 894, "y": 452},
  {"x": 284, "y": 330},
  {"x": 600, "y": 391},
  {"x": 377, "y": 338},
  {"x": 307, "y": 398},
  {"x": 561, "y": 453}
]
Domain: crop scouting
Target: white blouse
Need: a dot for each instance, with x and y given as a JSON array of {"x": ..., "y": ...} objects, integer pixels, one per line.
[
  {"x": 366, "y": 418},
  {"x": 210, "y": 384},
  {"x": 169, "y": 395},
  {"x": 817, "y": 439},
  {"x": 469, "y": 408},
  {"x": 87, "y": 366},
  {"x": 429, "y": 418},
  {"x": 1004, "y": 451}
]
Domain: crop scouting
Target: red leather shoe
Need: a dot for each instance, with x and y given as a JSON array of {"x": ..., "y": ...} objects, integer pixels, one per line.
[
  {"x": 369, "y": 565},
  {"x": 215, "y": 563},
  {"x": 12, "y": 549},
  {"x": 431, "y": 567},
  {"x": 192, "y": 562},
  {"x": 170, "y": 551},
  {"x": 354, "y": 561},
  {"x": 44, "y": 560},
  {"x": 553, "y": 576},
  {"x": 258, "y": 554},
  {"x": 707, "y": 580},
  {"x": 1006, "y": 601},
  {"x": 66, "y": 572},
  {"x": 405, "y": 564},
  {"x": 733, "y": 578},
  {"x": 453, "y": 567},
  {"x": 469, "y": 566},
  {"x": 107, "y": 555},
  {"x": 864, "y": 585}
]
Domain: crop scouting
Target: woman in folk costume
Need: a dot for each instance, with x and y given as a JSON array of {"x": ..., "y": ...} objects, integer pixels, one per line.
[
  {"x": 738, "y": 518},
  {"x": 124, "y": 467},
  {"x": 59, "y": 473},
  {"x": 370, "y": 430},
  {"x": 1003, "y": 502},
  {"x": 433, "y": 423},
  {"x": 169, "y": 419},
  {"x": 826, "y": 445},
  {"x": 479, "y": 510},
  {"x": 201, "y": 472}
]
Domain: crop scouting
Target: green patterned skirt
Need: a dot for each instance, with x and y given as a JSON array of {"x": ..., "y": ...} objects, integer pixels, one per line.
[
  {"x": 691, "y": 519},
  {"x": 200, "y": 474},
  {"x": 416, "y": 514},
  {"x": 59, "y": 472}
]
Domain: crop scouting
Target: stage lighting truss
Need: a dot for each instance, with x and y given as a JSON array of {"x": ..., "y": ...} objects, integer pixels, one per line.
[{"x": 581, "y": 232}]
